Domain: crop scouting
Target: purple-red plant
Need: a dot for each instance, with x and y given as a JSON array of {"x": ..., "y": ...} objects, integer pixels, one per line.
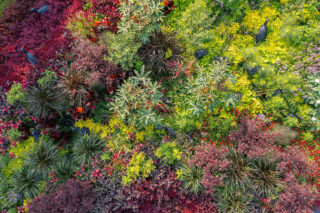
[
  {"x": 252, "y": 139},
  {"x": 41, "y": 35},
  {"x": 164, "y": 193},
  {"x": 212, "y": 160},
  {"x": 72, "y": 197}
]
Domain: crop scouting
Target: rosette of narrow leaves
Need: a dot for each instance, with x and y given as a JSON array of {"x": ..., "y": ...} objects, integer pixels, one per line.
[
  {"x": 265, "y": 179},
  {"x": 43, "y": 158},
  {"x": 238, "y": 171},
  {"x": 87, "y": 147},
  {"x": 44, "y": 100},
  {"x": 74, "y": 85},
  {"x": 191, "y": 178},
  {"x": 234, "y": 200},
  {"x": 66, "y": 168},
  {"x": 135, "y": 100},
  {"x": 26, "y": 183}
]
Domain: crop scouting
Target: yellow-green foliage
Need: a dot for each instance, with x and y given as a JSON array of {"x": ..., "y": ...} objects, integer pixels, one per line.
[
  {"x": 20, "y": 151},
  {"x": 117, "y": 132},
  {"x": 248, "y": 100},
  {"x": 3, "y": 5},
  {"x": 169, "y": 152},
  {"x": 192, "y": 25},
  {"x": 138, "y": 166},
  {"x": 16, "y": 93}
]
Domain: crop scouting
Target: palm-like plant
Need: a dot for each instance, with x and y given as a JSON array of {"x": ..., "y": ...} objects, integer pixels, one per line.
[
  {"x": 74, "y": 85},
  {"x": 191, "y": 177},
  {"x": 44, "y": 100},
  {"x": 265, "y": 178},
  {"x": 234, "y": 200},
  {"x": 239, "y": 169},
  {"x": 26, "y": 183},
  {"x": 44, "y": 157},
  {"x": 87, "y": 147},
  {"x": 66, "y": 168}
]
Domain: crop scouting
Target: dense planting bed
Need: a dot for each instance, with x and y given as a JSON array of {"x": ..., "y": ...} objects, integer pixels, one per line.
[{"x": 159, "y": 106}]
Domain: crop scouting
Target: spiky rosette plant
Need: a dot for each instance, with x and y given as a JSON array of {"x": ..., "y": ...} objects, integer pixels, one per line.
[
  {"x": 191, "y": 177},
  {"x": 239, "y": 169},
  {"x": 234, "y": 200},
  {"x": 161, "y": 48},
  {"x": 87, "y": 147},
  {"x": 66, "y": 168},
  {"x": 74, "y": 85},
  {"x": 265, "y": 179},
  {"x": 26, "y": 183},
  {"x": 43, "y": 100},
  {"x": 43, "y": 158},
  {"x": 136, "y": 99}
]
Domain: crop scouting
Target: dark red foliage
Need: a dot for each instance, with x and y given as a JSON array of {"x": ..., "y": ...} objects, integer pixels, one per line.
[
  {"x": 252, "y": 139},
  {"x": 41, "y": 35},
  {"x": 109, "y": 8},
  {"x": 211, "y": 160},
  {"x": 72, "y": 197},
  {"x": 163, "y": 193}
]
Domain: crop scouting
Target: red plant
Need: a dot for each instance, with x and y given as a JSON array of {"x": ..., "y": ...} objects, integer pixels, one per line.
[
  {"x": 211, "y": 160},
  {"x": 163, "y": 193},
  {"x": 252, "y": 139},
  {"x": 72, "y": 197}
]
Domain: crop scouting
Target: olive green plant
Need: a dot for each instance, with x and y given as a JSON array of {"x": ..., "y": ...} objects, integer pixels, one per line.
[
  {"x": 43, "y": 158},
  {"x": 16, "y": 93},
  {"x": 169, "y": 152},
  {"x": 191, "y": 178},
  {"x": 87, "y": 147}
]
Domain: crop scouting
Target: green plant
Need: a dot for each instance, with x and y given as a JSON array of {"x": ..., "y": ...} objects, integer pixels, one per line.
[
  {"x": 265, "y": 179},
  {"x": 44, "y": 100},
  {"x": 169, "y": 152},
  {"x": 122, "y": 48},
  {"x": 47, "y": 78},
  {"x": 13, "y": 134},
  {"x": 26, "y": 183},
  {"x": 136, "y": 99},
  {"x": 87, "y": 147},
  {"x": 141, "y": 17},
  {"x": 43, "y": 158},
  {"x": 16, "y": 93},
  {"x": 139, "y": 166},
  {"x": 191, "y": 178},
  {"x": 3, "y": 5},
  {"x": 66, "y": 168},
  {"x": 234, "y": 200},
  {"x": 207, "y": 90}
]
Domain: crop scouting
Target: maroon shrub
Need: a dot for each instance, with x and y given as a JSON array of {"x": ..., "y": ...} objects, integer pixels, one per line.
[
  {"x": 211, "y": 160},
  {"x": 90, "y": 57},
  {"x": 163, "y": 193},
  {"x": 252, "y": 139},
  {"x": 72, "y": 197}
]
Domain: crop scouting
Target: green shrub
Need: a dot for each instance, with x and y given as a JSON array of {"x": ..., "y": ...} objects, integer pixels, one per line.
[
  {"x": 135, "y": 101},
  {"x": 16, "y": 93},
  {"x": 191, "y": 178},
  {"x": 283, "y": 135}
]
